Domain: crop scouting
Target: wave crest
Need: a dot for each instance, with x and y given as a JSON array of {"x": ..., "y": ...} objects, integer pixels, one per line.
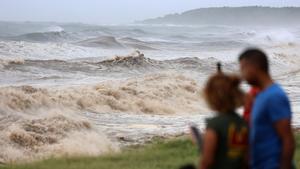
[
  {"x": 53, "y": 36},
  {"x": 29, "y": 139},
  {"x": 152, "y": 94}
]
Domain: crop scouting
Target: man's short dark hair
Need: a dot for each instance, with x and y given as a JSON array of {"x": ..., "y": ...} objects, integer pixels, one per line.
[{"x": 257, "y": 57}]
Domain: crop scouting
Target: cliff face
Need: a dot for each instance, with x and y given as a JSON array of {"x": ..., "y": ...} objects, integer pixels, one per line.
[{"x": 286, "y": 16}]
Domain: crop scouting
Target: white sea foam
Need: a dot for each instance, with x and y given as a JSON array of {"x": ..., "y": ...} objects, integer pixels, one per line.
[{"x": 54, "y": 29}]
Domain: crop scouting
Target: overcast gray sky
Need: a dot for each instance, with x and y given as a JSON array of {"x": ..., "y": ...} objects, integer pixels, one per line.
[{"x": 112, "y": 11}]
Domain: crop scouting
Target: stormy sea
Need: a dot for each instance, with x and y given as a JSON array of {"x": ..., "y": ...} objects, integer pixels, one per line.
[{"x": 80, "y": 89}]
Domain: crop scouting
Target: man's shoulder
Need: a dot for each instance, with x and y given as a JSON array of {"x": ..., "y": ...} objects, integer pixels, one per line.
[
  {"x": 277, "y": 96},
  {"x": 276, "y": 91}
]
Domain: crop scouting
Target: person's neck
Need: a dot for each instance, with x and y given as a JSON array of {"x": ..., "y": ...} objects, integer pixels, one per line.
[{"x": 265, "y": 81}]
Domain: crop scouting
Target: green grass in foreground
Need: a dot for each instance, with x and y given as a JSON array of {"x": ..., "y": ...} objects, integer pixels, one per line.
[{"x": 161, "y": 154}]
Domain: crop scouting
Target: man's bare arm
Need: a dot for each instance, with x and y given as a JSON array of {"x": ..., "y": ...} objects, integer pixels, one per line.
[{"x": 284, "y": 130}]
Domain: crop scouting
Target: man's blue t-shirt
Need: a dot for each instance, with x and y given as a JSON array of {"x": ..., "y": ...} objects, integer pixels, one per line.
[{"x": 270, "y": 106}]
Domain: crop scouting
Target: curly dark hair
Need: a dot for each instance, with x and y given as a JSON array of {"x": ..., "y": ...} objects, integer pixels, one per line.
[{"x": 222, "y": 93}]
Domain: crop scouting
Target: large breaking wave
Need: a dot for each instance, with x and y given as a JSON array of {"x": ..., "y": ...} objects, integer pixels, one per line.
[{"x": 40, "y": 122}]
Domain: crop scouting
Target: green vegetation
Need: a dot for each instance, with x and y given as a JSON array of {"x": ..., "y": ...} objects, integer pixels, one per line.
[
  {"x": 161, "y": 154},
  {"x": 297, "y": 153}
]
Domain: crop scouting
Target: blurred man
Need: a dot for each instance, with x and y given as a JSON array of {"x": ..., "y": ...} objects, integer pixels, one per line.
[
  {"x": 249, "y": 100},
  {"x": 271, "y": 138}
]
